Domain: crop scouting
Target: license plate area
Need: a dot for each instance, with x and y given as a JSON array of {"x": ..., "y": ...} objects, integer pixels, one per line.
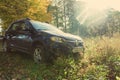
[{"x": 77, "y": 49}]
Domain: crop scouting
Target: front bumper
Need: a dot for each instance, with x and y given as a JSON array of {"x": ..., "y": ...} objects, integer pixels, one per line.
[
  {"x": 78, "y": 49},
  {"x": 66, "y": 48}
]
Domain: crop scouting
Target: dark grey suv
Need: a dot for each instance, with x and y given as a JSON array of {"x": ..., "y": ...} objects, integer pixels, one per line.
[{"x": 42, "y": 40}]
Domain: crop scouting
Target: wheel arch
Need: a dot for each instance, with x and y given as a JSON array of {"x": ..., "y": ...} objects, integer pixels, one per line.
[{"x": 38, "y": 43}]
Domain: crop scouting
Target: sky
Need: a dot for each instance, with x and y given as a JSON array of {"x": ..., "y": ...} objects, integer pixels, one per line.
[
  {"x": 97, "y": 9},
  {"x": 102, "y": 4}
]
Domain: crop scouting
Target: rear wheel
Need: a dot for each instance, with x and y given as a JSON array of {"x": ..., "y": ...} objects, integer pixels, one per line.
[{"x": 5, "y": 47}]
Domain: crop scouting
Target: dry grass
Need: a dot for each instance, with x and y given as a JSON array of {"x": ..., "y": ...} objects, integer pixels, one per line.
[
  {"x": 101, "y": 62},
  {"x": 103, "y": 56}
]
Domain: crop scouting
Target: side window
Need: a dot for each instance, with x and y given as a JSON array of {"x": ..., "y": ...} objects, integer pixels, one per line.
[
  {"x": 14, "y": 27},
  {"x": 20, "y": 26}
]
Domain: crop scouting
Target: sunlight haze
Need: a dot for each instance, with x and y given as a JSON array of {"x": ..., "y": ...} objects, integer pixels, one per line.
[
  {"x": 102, "y": 4},
  {"x": 97, "y": 10}
]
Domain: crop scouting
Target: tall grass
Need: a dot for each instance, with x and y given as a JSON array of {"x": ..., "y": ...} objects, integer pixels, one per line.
[
  {"x": 101, "y": 62},
  {"x": 103, "y": 58}
]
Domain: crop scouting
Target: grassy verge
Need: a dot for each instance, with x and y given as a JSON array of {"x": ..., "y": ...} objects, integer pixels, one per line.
[
  {"x": 102, "y": 58},
  {"x": 101, "y": 62}
]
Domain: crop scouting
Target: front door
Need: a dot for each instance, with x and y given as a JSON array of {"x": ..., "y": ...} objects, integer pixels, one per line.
[
  {"x": 20, "y": 36},
  {"x": 24, "y": 37}
]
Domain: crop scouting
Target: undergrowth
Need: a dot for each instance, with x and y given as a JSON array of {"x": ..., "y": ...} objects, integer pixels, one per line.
[{"x": 101, "y": 62}]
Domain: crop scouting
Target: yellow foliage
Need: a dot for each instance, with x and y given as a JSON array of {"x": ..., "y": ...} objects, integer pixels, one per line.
[
  {"x": 17, "y": 9},
  {"x": 38, "y": 10}
]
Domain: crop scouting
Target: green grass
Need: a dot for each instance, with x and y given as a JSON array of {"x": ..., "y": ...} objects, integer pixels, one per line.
[{"x": 101, "y": 62}]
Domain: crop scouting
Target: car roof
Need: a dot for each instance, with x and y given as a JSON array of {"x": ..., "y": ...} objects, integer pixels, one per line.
[
  {"x": 24, "y": 19},
  {"x": 28, "y": 19}
]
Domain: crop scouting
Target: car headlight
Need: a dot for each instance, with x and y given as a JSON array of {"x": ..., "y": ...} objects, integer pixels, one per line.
[{"x": 57, "y": 39}]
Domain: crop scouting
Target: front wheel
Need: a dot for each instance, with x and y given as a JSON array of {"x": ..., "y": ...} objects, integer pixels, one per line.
[{"x": 38, "y": 54}]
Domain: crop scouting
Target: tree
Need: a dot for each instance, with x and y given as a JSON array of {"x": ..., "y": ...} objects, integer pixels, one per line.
[
  {"x": 10, "y": 11},
  {"x": 17, "y": 9},
  {"x": 111, "y": 25},
  {"x": 64, "y": 14},
  {"x": 107, "y": 26},
  {"x": 38, "y": 10}
]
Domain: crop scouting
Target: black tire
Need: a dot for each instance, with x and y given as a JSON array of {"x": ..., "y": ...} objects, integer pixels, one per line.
[
  {"x": 38, "y": 54},
  {"x": 6, "y": 48}
]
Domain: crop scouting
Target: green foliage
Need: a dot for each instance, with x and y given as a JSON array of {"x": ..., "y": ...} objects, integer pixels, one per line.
[
  {"x": 101, "y": 62},
  {"x": 9, "y": 11},
  {"x": 64, "y": 15},
  {"x": 95, "y": 72}
]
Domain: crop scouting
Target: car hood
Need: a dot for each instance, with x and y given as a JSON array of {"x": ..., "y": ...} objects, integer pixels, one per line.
[{"x": 64, "y": 35}]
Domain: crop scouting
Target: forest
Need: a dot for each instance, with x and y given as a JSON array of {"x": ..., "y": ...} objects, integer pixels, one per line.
[{"x": 98, "y": 25}]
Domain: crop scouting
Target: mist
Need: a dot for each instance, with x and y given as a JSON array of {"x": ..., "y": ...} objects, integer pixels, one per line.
[{"x": 95, "y": 12}]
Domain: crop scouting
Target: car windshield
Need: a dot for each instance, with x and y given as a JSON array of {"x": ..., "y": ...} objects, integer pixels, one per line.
[{"x": 44, "y": 26}]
